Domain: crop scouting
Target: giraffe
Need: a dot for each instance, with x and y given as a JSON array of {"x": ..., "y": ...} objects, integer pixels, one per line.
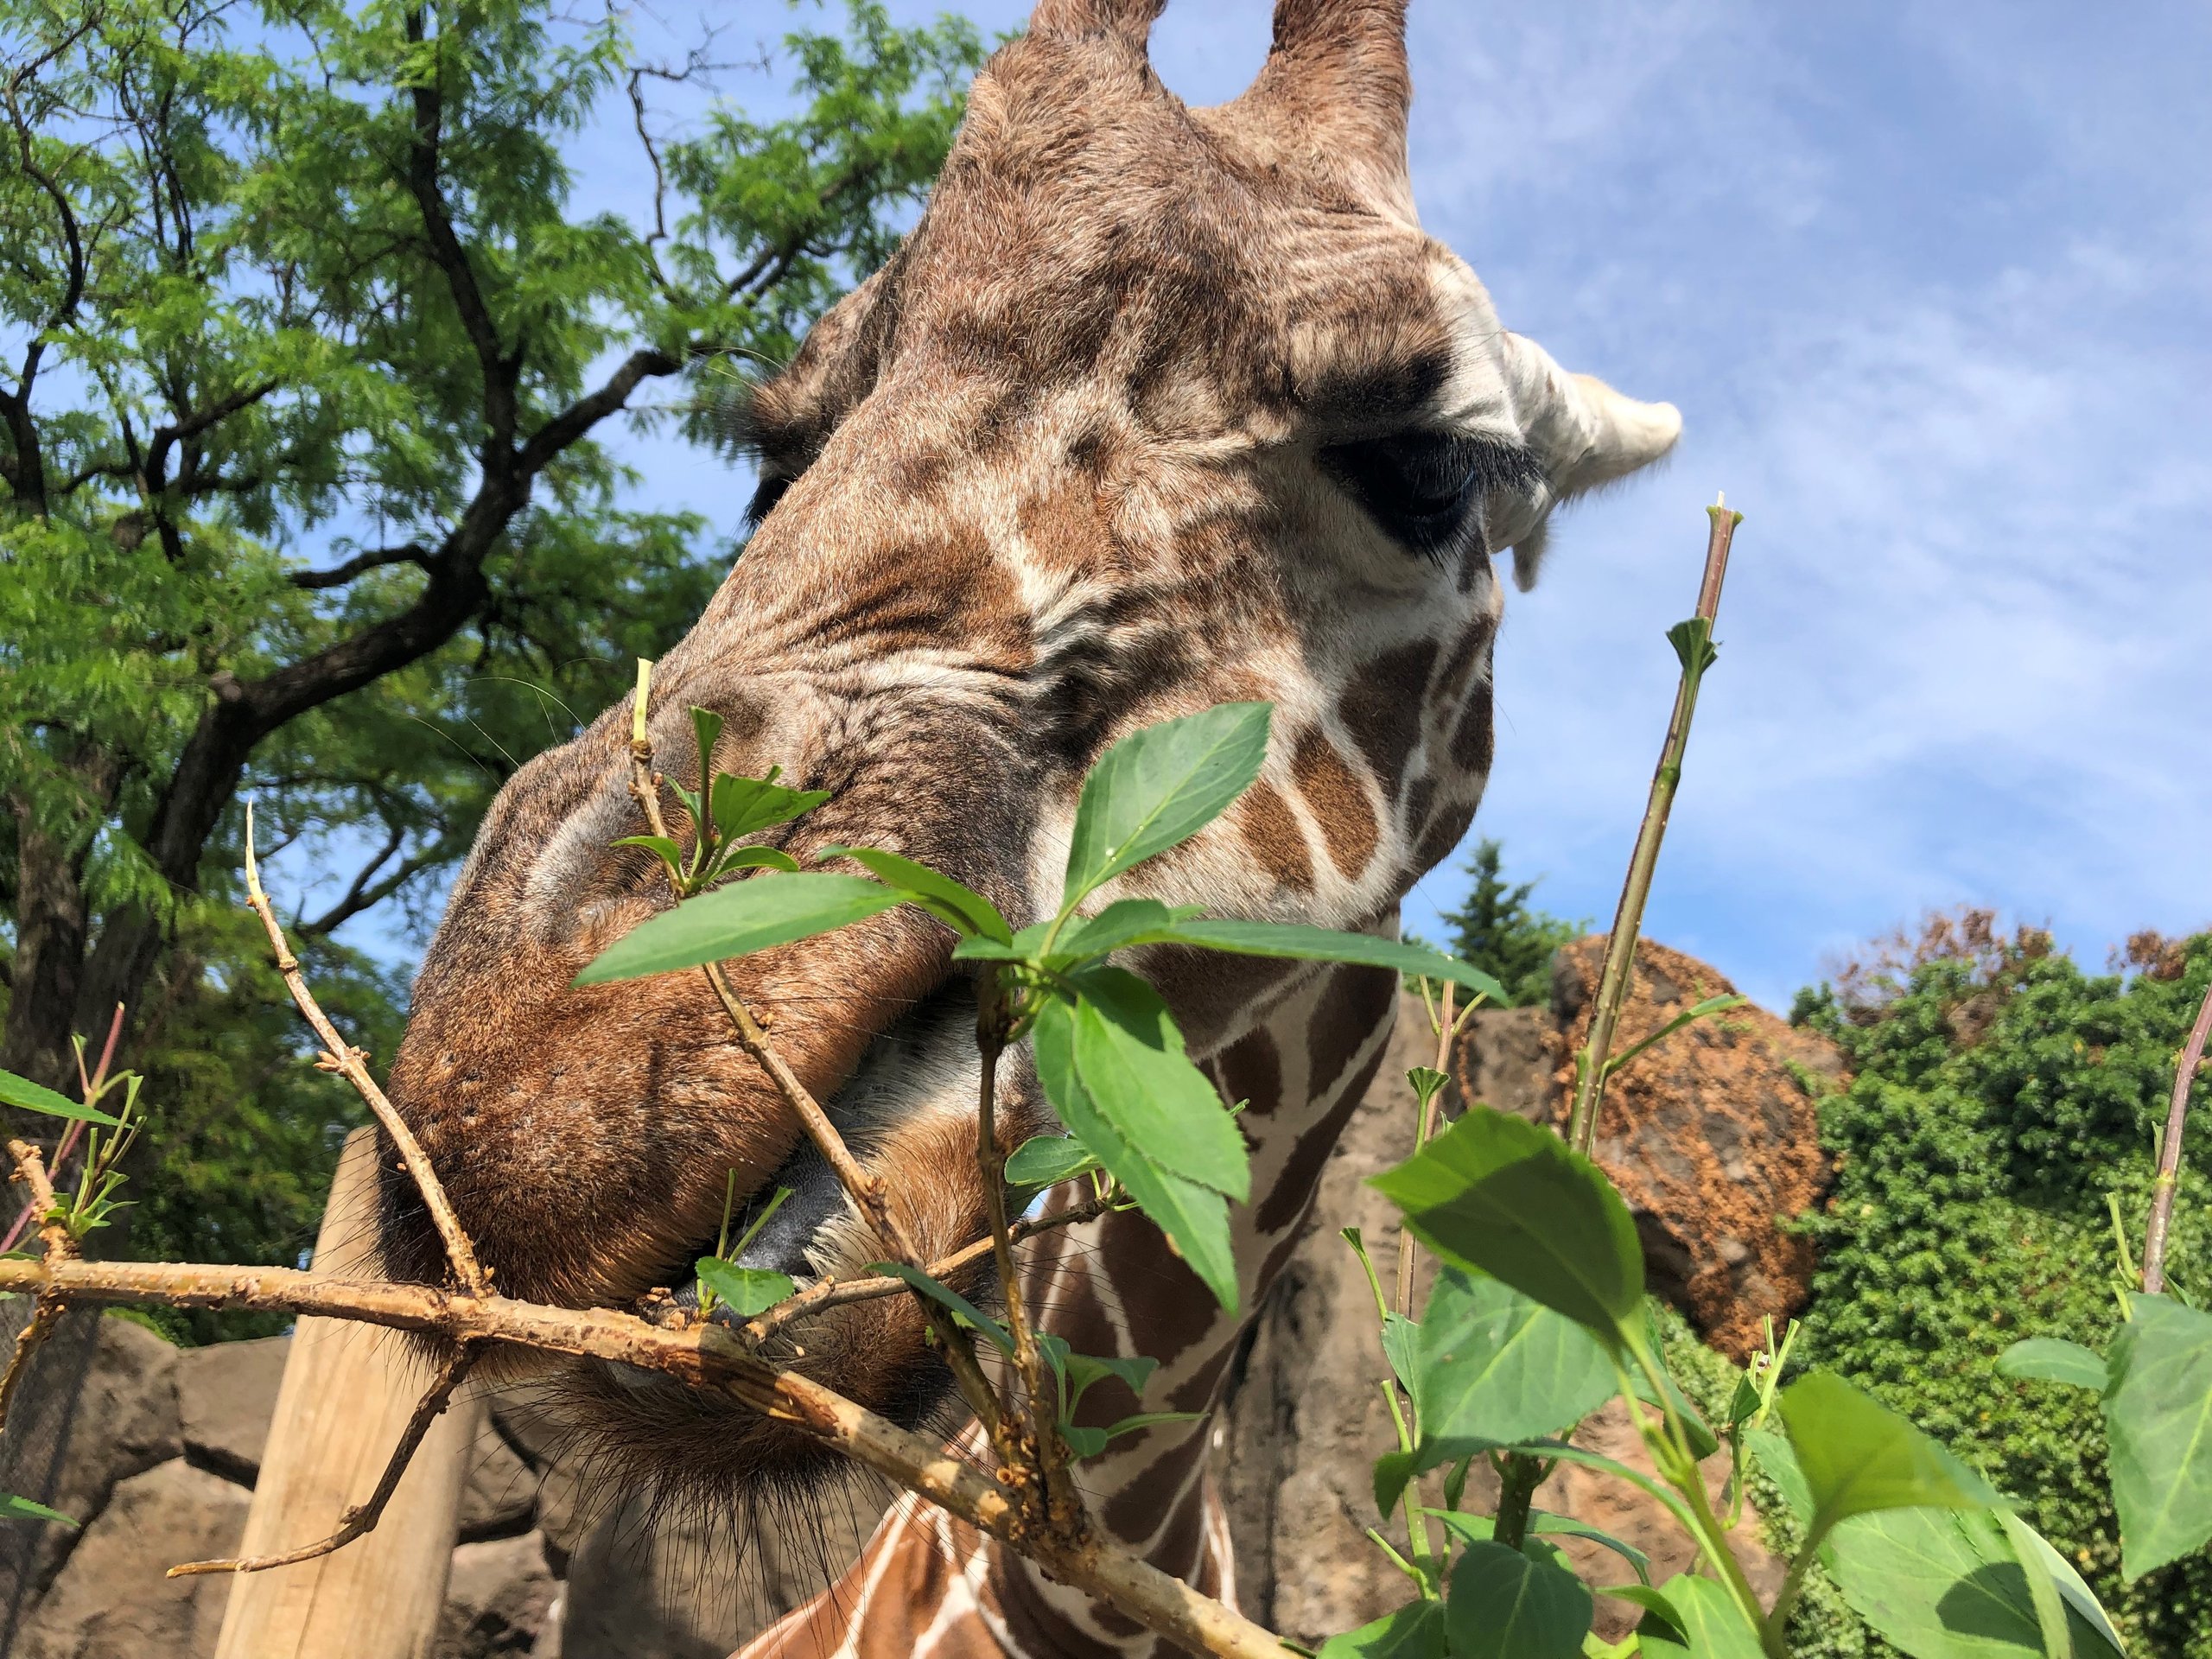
[{"x": 1156, "y": 408}]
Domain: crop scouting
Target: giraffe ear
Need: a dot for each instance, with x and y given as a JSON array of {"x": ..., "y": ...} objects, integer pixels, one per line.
[
  {"x": 1131, "y": 17},
  {"x": 1332, "y": 98},
  {"x": 1584, "y": 434}
]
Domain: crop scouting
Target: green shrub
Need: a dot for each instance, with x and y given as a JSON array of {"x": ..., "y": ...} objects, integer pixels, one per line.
[{"x": 2001, "y": 1098}]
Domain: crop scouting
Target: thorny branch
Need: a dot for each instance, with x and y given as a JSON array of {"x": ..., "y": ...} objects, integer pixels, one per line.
[
  {"x": 359, "y": 1519},
  {"x": 341, "y": 1057},
  {"x": 30, "y": 1169}
]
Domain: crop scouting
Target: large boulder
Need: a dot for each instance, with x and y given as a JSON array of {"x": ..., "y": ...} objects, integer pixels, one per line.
[
  {"x": 1711, "y": 1135},
  {"x": 502, "y": 1602},
  {"x": 226, "y": 1394},
  {"x": 1307, "y": 1420},
  {"x": 114, "y": 1599}
]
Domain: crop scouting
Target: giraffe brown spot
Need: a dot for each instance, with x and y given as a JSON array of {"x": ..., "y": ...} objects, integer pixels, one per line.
[
  {"x": 1381, "y": 709},
  {"x": 1302, "y": 1172},
  {"x": 1169, "y": 1305},
  {"x": 1452, "y": 684},
  {"x": 1474, "y": 742},
  {"x": 1443, "y": 834},
  {"x": 1249, "y": 1070},
  {"x": 1339, "y": 803},
  {"x": 1032, "y": 1627},
  {"x": 1265, "y": 822},
  {"x": 1134, "y": 1511},
  {"x": 1359, "y": 1001}
]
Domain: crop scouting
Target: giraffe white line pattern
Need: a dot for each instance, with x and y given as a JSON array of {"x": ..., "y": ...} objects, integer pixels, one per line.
[{"x": 1156, "y": 408}]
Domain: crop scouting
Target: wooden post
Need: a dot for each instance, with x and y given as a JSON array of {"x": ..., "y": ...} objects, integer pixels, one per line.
[{"x": 348, "y": 1391}]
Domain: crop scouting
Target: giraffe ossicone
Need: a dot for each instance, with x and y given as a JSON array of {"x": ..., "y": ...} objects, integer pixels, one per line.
[{"x": 1157, "y": 408}]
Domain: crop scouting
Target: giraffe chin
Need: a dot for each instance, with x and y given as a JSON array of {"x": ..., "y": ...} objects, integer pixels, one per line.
[{"x": 907, "y": 1112}]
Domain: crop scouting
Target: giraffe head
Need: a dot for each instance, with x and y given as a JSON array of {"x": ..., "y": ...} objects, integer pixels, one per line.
[{"x": 1156, "y": 408}]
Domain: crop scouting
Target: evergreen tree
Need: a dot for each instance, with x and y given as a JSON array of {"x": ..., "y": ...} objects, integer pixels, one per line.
[{"x": 1497, "y": 929}]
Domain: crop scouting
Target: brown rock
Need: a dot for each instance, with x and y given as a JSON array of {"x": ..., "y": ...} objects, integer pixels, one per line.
[
  {"x": 1504, "y": 1060},
  {"x": 112, "y": 1600},
  {"x": 1709, "y": 1135},
  {"x": 501, "y": 1600},
  {"x": 226, "y": 1394}
]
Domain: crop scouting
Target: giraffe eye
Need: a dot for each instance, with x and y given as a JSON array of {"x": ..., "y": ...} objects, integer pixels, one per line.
[{"x": 1423, "y": 486}]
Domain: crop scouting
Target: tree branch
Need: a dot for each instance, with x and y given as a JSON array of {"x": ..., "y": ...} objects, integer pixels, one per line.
[{"x": 360, "y": 564}]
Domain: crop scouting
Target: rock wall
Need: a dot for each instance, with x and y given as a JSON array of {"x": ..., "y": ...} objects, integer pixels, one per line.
[{"x": 1711, "y": 1135}]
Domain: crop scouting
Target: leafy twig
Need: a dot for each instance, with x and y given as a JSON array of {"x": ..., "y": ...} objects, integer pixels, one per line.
[
  {"x": 2162, "y": 1189},
  {"x": 1693, "y": 641},
  {"x": 868, "y": 1193}
]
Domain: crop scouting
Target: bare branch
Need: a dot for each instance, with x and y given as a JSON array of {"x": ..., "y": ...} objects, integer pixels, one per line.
[
  {"x": 359, "y": 1519},
  {"x": 30, "y": 1169},
  {"x": 343, "y": 1057}
]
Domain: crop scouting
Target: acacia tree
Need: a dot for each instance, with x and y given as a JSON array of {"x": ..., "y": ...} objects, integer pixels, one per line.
[{"x": 305, "y": 361}]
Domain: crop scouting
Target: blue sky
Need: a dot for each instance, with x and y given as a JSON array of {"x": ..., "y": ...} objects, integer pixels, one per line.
[{"x": 1929, "y": 283}]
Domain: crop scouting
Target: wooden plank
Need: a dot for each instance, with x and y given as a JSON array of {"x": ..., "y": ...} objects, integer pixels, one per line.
[{"x": 348, "y": 1391}]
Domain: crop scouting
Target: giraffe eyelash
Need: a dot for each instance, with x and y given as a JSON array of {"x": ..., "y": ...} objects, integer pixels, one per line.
[{"x": 1424, "y": 487}]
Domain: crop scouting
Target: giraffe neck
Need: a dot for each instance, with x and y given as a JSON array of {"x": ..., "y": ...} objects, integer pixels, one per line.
[{"x": 930, "y": 1586}]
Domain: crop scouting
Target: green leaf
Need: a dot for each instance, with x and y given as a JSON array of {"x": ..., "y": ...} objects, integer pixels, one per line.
[
  {"x": 663, "y": 847},
  {"x": 1770, "y": 1450},
  {"x": 943, "y": 1295},
  {"x": 1414, "y": 1631},
  {"x": 2158, "y": 1419},
  {"x": 737, "y": 920},
  {"x": 758, "y": 858},
  {"x": 1948, "y": 1584},
  {"x": 2050, "y": 1360},
  {"x": 1703, "y": 1442},
  {"x": 1300, "y": 942},
  {"x": 1858, "y": 1457},
  {"x": 1692, "y": 639},
  {"x": 1495, "y": 1367},
  {"x": 1158, "y": 787},
  {"x": 1401, "y": 1346},
  {"x": 1394, "y": 1470},
  {"x": 36, "y": 1097},
  {"x": 1473, "y": 1528},
  {"x": 1704, "y": 1613},
  {"x": 744, "y": 806},
  {"x": 1081, "y": 1370},
  {"x": 1048, "y": 1159},
  {"x": 1125, "y": 922},
  {"x": 961, "y": 908},
  {"x": 21, "y": 1508},
  {"x": 1090, "y": 1442},
  {"x": 1660, "y": 1618},
  {"x": 1195, "y": 1220},
  {"x": 747, "y": 1290},
  {"x": 707, "y": 729},
  {"x": 1502, "y": 1604},
  {"x": 1497, "y": 1193},
  {"x": 1130, "y": 1058}
]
